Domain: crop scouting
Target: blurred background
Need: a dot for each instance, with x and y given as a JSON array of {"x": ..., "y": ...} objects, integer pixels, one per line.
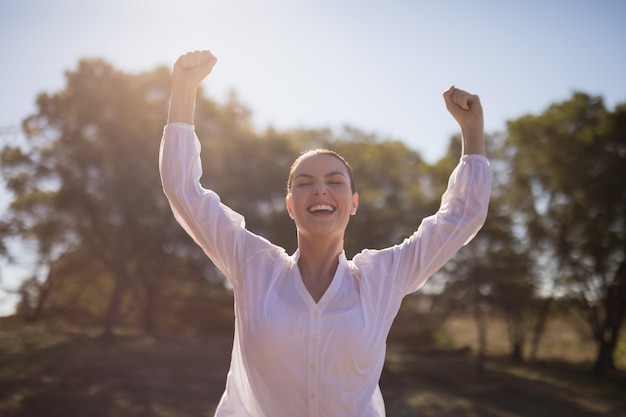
[{"x": 106, "y": 306}]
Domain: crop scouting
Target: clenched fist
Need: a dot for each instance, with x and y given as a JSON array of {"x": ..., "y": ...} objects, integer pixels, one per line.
[
  {"x": 191, "y": 68},
  {"x": 468, "y": 112}
]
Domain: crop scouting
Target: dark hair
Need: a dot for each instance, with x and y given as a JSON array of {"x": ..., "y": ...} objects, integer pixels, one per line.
[{"x": 321, "y": 151}]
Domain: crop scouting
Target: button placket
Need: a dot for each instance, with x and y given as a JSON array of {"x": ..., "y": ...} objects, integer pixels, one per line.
[
  {"x": 314, "y": 353},
  {"x": 315, "y": 315}
]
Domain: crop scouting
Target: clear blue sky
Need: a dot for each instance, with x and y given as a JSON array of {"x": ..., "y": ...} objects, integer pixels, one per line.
[{"x": 380, "y": 66}]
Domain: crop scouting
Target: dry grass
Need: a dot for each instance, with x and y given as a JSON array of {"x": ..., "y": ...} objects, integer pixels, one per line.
[
  {"x": 52, "y": 373},
  {"x": 453, "y": 387},
  {"x": 564, "y": 340}
]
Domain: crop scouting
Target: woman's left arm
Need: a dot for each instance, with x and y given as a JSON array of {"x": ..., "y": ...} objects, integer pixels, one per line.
[
  {"x": 468, "y": 112},
  {"x": 463, "y": 207}
]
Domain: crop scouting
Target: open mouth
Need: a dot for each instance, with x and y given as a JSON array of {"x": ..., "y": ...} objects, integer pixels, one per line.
[{"x": 321, "y": 209}]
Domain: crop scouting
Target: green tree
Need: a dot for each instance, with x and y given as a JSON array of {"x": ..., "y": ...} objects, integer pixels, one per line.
[
  {"x": 568, "y": 185},
  {"x": 492, "y": 273},
  {"x": 87, "y": 193}
]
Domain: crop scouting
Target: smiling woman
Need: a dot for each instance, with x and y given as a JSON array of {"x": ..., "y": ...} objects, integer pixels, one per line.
[
  {"x": 321, "y": 197},
  {"x": 311, "y": 327},
  {"x": 321, "y": 178}
]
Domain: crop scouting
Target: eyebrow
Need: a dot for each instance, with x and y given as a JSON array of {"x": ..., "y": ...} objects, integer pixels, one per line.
[{"x": 330, "y": 174}]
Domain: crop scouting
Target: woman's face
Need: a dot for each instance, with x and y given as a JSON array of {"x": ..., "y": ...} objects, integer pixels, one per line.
[{"x": 320, "y": 199}]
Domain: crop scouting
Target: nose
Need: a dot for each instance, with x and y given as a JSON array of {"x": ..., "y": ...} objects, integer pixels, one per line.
[{"x": 320, "y": 188}]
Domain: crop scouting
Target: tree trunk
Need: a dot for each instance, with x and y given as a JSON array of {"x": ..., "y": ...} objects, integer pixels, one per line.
[
  {"x": 115, "y": 303},
  {"x": 515, "y": 330},
  {"x": 607, "y": 332},
  {"x": 540, "y": 327},
  {"x": 604, "y": 360},
  {"x": 149, "y": 311},
  {"x": 516, "y": 353},
  {"x": 481, "y": 327}
]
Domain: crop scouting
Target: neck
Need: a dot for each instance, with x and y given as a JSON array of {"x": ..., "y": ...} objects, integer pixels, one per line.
[{"x": 318, "y": 263}]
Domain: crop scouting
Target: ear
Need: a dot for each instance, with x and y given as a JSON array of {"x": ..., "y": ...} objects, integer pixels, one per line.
[
  {"x": 288, "y": 205},
  {"x": 355, "y": 203}
]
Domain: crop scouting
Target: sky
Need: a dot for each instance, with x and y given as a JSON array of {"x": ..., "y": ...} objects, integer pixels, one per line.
[{"x": 380, "y": 66}]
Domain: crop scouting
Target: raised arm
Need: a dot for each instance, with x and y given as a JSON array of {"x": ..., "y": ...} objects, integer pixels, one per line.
[
  {"x": 189, "y": 70},
  {"x": 468, "y": 112},
  {"x": 217, "y": 229}
]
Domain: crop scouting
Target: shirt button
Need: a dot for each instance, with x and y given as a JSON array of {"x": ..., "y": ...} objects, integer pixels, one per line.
[
  {"x": 312, "y": 367},
  {"x": 316, "y": 314},
  {"x": 312, "y": 396},
  {"x": 314, "y": 341}
]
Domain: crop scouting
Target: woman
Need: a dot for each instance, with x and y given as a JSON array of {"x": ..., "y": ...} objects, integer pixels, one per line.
[{"x": 311, "y": 328}]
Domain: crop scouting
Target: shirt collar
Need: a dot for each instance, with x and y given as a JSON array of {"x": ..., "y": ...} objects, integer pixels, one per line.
[{"x": 342, "y": 258}]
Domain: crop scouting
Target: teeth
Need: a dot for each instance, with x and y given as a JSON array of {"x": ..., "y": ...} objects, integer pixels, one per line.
[{"x": 321, "y": 207}]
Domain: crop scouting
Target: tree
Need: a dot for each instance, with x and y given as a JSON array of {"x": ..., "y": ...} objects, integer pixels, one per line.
[
  {"x": 87, "y": 190},
  {"x": 87, "y": 194},
  {"x": 568, "y": 185},
  {"x": 491, "y": 274}
]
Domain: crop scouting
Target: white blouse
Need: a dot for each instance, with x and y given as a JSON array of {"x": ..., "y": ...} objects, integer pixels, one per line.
[{"x": 293, "y": 357}]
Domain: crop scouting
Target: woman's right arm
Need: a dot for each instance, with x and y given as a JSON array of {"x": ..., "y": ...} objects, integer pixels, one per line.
[
  {"x": 189, "y": 70},
  {"x": 214, "y": 227}
]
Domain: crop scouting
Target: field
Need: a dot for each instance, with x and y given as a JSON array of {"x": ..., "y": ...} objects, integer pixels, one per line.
[{"x": 46, "y": 372}]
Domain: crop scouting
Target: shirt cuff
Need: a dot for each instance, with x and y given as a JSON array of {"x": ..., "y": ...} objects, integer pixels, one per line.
[
  {"x": 475, "y": 157},
  {"x": 180, "y": 125}
]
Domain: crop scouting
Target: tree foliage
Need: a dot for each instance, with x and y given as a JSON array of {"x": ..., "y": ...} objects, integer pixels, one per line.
[
  {"x": 87, "y": 194},
  {"x": 492, "y": 273},
  {"x": 568, "y": 177},
  {"x": 87, "y": 198}
]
